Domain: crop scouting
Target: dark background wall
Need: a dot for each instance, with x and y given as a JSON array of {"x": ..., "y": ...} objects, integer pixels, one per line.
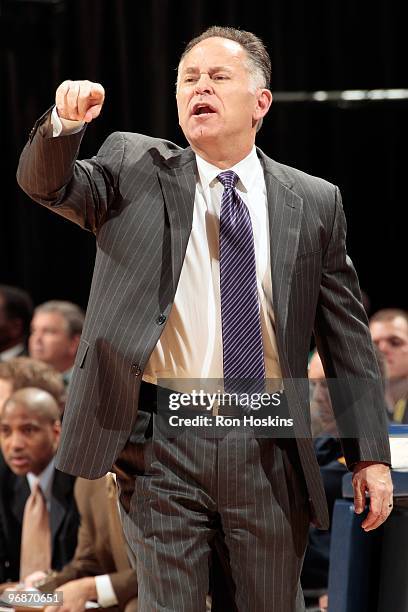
[{"x": 132, "y": 48}]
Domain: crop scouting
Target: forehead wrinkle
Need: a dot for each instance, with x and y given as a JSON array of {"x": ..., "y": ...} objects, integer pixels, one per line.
[{"x": 22, "y": 421}]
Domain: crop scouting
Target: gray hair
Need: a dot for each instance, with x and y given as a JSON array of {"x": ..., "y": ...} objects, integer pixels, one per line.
[
  {"x": 73, "y": 315},
  {"x": 258, "y": 60}
]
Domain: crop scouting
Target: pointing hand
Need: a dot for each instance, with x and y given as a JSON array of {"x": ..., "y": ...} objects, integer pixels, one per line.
[{"x": 79, "y": 100}]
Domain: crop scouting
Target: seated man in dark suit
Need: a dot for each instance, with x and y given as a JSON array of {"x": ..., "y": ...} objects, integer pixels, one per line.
[
  {"x": 100, "y": 569},
  {"x": 38, "y": 513}
]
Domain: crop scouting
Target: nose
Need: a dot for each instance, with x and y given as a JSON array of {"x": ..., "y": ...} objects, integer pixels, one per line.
[
  {"x": 203, "y": 84},
  {"x": 383, "y": 346},
  {"x": 35, "y": 338},
  {"x": 16, "y": 441}
]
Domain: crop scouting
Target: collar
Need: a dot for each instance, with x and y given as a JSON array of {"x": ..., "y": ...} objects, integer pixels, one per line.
[
  {"x": 45, "y": 479},
  {"x": 14, "y": 351},
  {"x": 247, "y": 169}
]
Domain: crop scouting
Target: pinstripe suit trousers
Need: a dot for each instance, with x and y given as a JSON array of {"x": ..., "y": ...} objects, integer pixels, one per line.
[{"x": 176, "y": 495}]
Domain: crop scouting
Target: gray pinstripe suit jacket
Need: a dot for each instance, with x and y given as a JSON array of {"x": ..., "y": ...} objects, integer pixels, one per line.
[{"x": 137, "y": 196}]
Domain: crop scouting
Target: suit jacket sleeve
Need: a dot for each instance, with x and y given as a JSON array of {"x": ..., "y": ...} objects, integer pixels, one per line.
[
  {"x": 84, "y": 562},
  {"x": 81, "y": 191},
  {"x": 346, "y": 349},
  {"x": 124, "y": 584}
]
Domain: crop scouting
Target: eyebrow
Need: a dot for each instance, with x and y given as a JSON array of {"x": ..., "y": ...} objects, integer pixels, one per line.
[{"x": 194, "y": 69}]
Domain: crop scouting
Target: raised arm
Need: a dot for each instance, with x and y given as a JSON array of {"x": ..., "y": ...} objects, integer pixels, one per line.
[{"x": 48, "y": 171}]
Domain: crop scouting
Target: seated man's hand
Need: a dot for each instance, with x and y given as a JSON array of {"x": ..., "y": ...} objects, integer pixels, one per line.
[
  {"x": 31, "y": 579},
  {"x": 75, "y": 594},
  {"x": 375, "y": 479}
]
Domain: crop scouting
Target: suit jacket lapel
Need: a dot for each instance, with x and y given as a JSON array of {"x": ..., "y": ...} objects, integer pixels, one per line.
[
  {"x": 61, "y": 487},
  {"x": 285, "y": 216},
  {"x": 21, "y": 494},
  {"x": 178, "y": 182}
]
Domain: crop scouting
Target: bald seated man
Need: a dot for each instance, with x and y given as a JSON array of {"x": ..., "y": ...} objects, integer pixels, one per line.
[
  {"x": 29, "y": 436},
  {"x": 22, "y": 372}
]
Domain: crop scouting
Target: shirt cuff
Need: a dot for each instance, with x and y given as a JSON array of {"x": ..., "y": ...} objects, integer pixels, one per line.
[
  {"x": 64, "y": 127},
  {"x": 105, "y": 592}
]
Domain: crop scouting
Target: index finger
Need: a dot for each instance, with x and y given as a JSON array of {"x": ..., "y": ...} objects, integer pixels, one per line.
[{"x": 374, "y": 514}]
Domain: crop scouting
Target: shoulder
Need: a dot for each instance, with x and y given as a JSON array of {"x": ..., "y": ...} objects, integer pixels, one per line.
[
  {"x": 85, "y": 489},
  {"x": 135, "y": 146},
  {"x": 303, "y": 184},
  {"x": 9, "y": 480},
  {"x": 63, "y": 484}
]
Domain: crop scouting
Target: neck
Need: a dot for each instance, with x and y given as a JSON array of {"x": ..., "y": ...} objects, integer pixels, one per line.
[
  {"x": 398, "y": 389},
  {"x": 222, "y": 157},
  {"x": 63, "y": 366}
]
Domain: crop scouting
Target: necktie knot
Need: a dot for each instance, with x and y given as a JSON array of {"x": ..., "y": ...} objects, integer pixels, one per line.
[{"x": 228, "y": 179}]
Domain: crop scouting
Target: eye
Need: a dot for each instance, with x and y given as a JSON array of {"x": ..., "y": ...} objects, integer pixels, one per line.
[
  {"x": 189, "y": 79},
  {"x": 220, "y": 77},
  {"x": 28, "y": 430}
]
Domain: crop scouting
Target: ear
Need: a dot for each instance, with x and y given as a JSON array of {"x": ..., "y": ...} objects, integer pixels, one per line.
[
  {"x": 56, "y": 427},
  {"x": 74, "y": 344},
  {"x": 263, "y": 103}
]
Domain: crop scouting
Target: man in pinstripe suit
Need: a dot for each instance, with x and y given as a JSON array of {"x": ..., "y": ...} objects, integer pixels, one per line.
[{"x": 154, "y": 313}]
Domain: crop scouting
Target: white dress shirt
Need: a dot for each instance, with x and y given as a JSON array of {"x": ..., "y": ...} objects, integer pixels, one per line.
[
  {"x": 45, "y": 480},
  {"x": 191, "y": 344}
]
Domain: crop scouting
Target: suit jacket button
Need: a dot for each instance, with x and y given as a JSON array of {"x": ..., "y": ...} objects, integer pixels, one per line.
[
  {"x": 161, "y": 319},
  {"x": 136, "y": 369}
]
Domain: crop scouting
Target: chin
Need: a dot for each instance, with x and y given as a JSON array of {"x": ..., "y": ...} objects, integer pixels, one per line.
[
  {"x": 20, "y": 471},
  {"x": 203, "y": 135}
]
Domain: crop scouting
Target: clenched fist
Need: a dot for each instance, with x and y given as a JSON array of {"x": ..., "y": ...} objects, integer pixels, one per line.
[{"x": 79, "y": 100}]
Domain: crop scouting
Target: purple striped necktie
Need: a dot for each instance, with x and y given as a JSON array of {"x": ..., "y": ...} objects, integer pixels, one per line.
[{"x": 243, "y": 355}]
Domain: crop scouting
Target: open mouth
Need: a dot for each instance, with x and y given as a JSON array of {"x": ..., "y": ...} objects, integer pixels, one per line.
[{"x": 202, "y": 109}]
